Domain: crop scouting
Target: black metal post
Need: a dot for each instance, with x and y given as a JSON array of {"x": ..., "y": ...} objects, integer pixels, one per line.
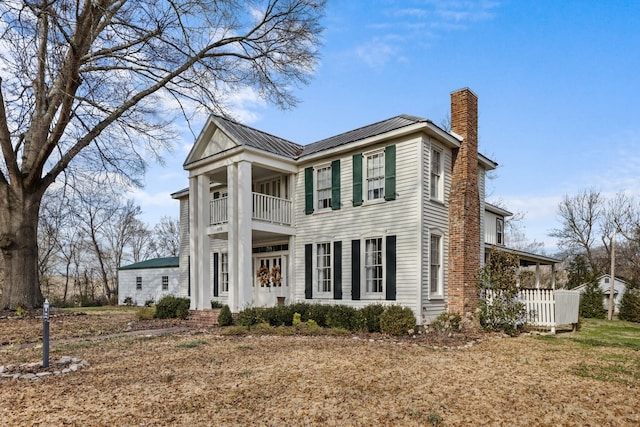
[{"x": 45, "y": 334}]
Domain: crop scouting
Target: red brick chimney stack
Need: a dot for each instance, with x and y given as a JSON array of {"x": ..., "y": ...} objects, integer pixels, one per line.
[{"x": 464, "y": 206}]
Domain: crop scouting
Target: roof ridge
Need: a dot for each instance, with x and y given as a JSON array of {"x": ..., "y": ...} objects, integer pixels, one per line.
[{"x": 256, "y": 130}]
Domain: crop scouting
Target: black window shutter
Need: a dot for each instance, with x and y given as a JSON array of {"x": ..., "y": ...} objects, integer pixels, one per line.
[
  {"x": 390, "y": 172},
  {"x": 335, "y": 185},
  {"x": 337, "y": 270},
  {"x": 391, "y": 268},
  {"x": 216, "y": 195},
  {"x": 355, "y": 269},
  {"x": 308, "y": 272},
  {"x": 308, "y": 191},
  {"x": 215, "y": 275},
  {"x": 357, "y": 179}
]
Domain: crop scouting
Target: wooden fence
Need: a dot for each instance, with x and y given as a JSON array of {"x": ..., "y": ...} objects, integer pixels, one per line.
[{"x": 547, "y": 308}]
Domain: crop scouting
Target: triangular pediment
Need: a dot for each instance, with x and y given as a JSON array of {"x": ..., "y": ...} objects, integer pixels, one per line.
[{"x": 212, "y": 140}]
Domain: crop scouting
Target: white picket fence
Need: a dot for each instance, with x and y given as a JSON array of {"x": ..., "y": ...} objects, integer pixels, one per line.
[{"x": 548, "y": 308}]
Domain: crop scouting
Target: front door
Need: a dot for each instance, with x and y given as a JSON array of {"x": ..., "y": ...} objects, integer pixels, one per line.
[{"x": 269, "y": 279}]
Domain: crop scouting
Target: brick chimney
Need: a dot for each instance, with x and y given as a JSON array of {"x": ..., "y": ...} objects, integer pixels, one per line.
[{"x": 464, "y": 206}]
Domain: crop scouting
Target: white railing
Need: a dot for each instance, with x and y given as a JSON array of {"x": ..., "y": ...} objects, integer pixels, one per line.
[
  {"x": 271, "y": 209},
  {"x": 218, "y": 211},
  {"x": 548, "y": 308},
  {"x": 265, "y": 208}
]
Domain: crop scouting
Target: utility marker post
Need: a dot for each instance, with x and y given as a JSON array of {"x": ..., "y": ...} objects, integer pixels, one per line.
[{"x": 45, "y": 334}]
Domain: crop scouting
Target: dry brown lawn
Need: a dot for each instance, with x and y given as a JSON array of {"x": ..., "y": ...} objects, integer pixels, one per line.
[{"x": 200, "y": 378}]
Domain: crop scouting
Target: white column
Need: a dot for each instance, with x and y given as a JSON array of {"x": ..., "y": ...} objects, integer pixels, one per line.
[
  {"x": 291, "y": 271},
  {"x": 244, "y": 240},
  {"x": 537, "y": 275},
  {"x": 194, "y": 234},
  {"x": 553, "y": 276},
  {"x": 203, "y": 300},
  {"x": 232, "y": 236}
]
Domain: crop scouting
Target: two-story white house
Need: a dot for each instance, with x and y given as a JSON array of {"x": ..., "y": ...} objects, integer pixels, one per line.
[{"x": 391, "y": 212}]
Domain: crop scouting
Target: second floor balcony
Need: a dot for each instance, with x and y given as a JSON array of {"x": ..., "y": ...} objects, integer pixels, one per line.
[{"x": 270, "y": 209}]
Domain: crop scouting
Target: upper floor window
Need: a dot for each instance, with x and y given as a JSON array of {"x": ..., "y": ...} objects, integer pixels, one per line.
[
  {"x": 323, "y": 185},
  {"x": 165, "y": 283},
  {"x": 375, "y": 175},
  {"x": 499, "y": 231},
  {"x": 436, "y": 175},
  {"x": 138, "y": 283}
]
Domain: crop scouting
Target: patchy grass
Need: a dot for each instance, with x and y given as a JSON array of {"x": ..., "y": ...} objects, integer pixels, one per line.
[
  {"x": 609, "y": 366},
  {"x": 203, "y": 379}
]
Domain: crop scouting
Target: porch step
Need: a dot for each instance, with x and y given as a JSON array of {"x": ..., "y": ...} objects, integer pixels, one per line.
[{"x": 203, "y": 318}]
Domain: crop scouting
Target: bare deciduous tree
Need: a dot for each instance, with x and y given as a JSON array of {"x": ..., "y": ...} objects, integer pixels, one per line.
[
  {"x": 166, "y": 235},
  {"x": 82, "y": 83},
  {"x": 580, "y": 216}
]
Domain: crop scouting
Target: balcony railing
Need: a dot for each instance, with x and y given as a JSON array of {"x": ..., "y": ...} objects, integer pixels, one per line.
[{"x": 265, "y": 208}]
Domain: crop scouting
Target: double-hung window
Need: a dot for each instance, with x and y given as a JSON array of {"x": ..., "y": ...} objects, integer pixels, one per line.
[
  {"x": 499, "y": 231},
  {"x": 435, "y": 265},
  {"x": 323, "y": 265},
  {"x": 138, "y": 283},
  {"x": 373, "y": 266},
  {"x": 436, "y": 175},
  {"x": 224, "y": 272},
  {"x": 165, "y": 283},
  {"x": 375, "y": 175},
  {"x": 323, "y": 185}
]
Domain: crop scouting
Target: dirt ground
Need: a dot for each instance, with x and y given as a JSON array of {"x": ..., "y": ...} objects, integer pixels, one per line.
[{"x": 203, "y": 378}]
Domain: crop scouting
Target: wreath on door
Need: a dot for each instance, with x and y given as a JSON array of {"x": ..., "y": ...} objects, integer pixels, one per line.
[
  {"x": 276, "y": 276},
  {"x": 263, "y": 276}
]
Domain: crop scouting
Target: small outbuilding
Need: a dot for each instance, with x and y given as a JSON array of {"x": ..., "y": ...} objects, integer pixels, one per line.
[
  {"x": 604, "y": 282},
  {"x": 148, "y": 280}
]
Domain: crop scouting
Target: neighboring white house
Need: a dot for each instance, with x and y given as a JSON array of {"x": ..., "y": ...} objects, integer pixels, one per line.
[
  {"x": 148, "y": 280},
  {"x": 392, "y": 212},
  {"x": 604, "y": 281}
]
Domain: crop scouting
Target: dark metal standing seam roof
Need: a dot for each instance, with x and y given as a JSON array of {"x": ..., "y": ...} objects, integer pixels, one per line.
[
  {"x": 255, "y": 138},
  {"x": 167, "y": 262},
  {"x": 364, "y": 132}
]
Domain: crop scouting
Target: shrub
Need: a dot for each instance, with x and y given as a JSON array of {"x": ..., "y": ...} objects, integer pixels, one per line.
[
  {"x": 146, "y": 313},
  {"x": 500, "y": 309},
  {"x": 172, "y": 307},
  {"x": 591, "y": 301},
  {"x": 225, "y": 318},
  {"x": 149, "y": 303},
  {"x": 277, "y": 316},
  {"x": 630, "y": 305},
  {"x": 369, "y": 317},
  {"x": 318, "y": 313},
  {"x": 128, "y": 301},
  {"x": 249, "y": 316},
  {"x": 397, "y": 320},
  {"x": 216, "y": 304},
  {"x": 342, "y": 316},
  {"x": 446, "y": 322}
]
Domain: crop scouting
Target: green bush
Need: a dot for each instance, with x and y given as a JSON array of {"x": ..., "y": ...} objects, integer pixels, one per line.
[
  {"x": 318, "y": 313},
  {"x": 397, "y": 320},
  {"x": 369, "y": 317},
  {"x": 149, "y": 303},
  {"x": 172, "y": 307},
  {"x": 500, "y": 309},
  {"x": 225, "y": 318},
  {"x": 249, "y": 317},
  {"x": 446, "y": 322},
  {"x": 630, "y": 305},
  {"x": 145, "y": 313},
  {"x": 278, "y": 315},
  {"x": 216, "y": 304},
  {"x": 342, "y": 316},
  {"x": 591, "y": 305}
]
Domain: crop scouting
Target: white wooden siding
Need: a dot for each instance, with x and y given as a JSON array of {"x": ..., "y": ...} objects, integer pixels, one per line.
[
  {"x": 184, "y": 248},
  {"x": 435, "y": 217},
  {"x": 490, "y": 228},
  {"x": 398, "y": 217},
  {"x": 151, "y": 284}
]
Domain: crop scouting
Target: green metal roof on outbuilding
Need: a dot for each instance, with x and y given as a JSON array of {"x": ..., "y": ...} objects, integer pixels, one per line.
[{"x": 167, "y": 262}]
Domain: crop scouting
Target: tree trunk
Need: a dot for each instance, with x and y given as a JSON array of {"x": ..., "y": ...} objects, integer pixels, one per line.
[{"x": 19, "y": 246}]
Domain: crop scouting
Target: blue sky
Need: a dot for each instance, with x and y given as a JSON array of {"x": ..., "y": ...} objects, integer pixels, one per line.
[{"x": 557, "y": 82}]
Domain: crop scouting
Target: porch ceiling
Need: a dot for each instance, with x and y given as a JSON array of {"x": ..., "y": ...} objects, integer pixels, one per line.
[{"x": 258, "y": 173}]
